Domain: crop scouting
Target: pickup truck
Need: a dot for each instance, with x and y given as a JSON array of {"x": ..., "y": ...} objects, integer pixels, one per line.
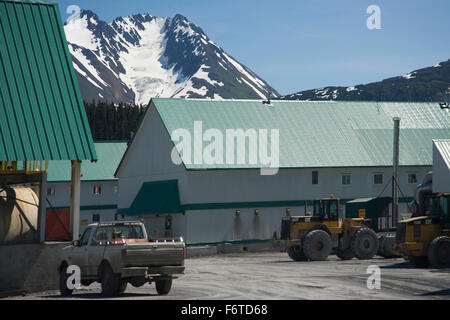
[{"x": 118, "y": 253}]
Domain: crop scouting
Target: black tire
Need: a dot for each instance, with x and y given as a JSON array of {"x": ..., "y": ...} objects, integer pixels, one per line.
[
  {"x": 439, "y": 252},
  {"x": 63, "y": 276},
  {"x": 163, "y": 286},
  {"x": 296, "y": 253},
  {"x": 365, "y": 244},
  {"x": 123, "y": 286},
  {"x": 418, "y": 262},
  {"x": 388, "y": 248},
  {"x": 110, "y": 282},
  {"x": 346, "y": 254},
  {"x": 317, "y": 245}
]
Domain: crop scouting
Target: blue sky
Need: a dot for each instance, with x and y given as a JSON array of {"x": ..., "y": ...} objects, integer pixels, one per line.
[{"x": 304, "y": 44}]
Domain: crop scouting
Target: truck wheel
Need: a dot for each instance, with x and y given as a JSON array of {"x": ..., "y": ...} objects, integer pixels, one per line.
[
  {"x": 163, "y": 286},
  {"x": 346, "y": 254},
  {"x": 63, "y": 276},
  {"x": 439, "y": 252},
  {"x": 110, "y": 282},
  {"x": 418, "y": 262},
  {"x": 296, "y": 253},
  {"x": 365, "y": 244},
  {"x": 317, "y": 245},
  {"x": 123, "y": 286}
]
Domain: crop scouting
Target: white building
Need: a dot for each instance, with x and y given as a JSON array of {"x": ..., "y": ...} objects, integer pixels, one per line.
[
  {"x": 441, "y": 165},
  {"x": 339, "y": 148},
  {"x": 98, "y": 191}
]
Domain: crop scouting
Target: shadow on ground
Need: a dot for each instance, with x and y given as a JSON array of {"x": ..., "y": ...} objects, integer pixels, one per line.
[{"x": 444, "y": 292}]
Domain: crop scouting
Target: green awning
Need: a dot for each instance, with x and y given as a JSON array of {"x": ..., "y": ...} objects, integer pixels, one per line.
[{"x": 156, "y": 197}]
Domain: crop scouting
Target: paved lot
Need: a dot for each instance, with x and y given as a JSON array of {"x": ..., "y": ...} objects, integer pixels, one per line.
[{"x": 272, "y": 275}]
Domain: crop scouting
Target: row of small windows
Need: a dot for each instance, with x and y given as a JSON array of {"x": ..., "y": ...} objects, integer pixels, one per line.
[
  {"x": 96, "y": 190},
  {"x": 346, "y": 178}
]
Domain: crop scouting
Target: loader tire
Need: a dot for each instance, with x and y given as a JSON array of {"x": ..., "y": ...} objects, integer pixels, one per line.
[
  {"x": 439, "y": 252},
  {"x": 317, "y": 245},
  {"x": 346, "y": 254},
  {"x": 365, "y": 244},
  {"x": 296, "y": 253}
]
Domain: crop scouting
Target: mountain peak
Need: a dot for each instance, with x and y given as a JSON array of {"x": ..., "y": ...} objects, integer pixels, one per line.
[{"x": 138, "y": 57}]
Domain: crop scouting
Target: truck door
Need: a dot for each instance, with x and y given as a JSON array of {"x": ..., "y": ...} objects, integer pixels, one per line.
[
  {"x": 96, "y": 251},
  {"x": 78, "y": 256}
]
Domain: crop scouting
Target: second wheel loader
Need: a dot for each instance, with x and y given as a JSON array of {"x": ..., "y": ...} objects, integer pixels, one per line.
[{"x": 316, "y": 237}]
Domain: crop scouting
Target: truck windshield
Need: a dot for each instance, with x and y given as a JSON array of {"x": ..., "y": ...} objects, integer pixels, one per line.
[{"x": 113, "y": 232}]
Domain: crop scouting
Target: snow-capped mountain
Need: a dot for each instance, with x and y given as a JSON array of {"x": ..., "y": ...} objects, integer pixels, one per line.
[
  {"x": 427, "y": 84},
  {"x": 139, "y": 57}
]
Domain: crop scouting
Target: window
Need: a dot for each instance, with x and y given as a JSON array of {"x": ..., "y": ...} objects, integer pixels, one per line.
[
  {"x": 346, "y": 179},
  {"x": 51, "y": 191},
  {"x": 412, "y": 178},
  {"x": 378, "y": 178},
  {"x": 96, "y": 217},
  {"x": 97, "y": 190},
  {"x": 85, "y": 238},
  {"x": 315, "y": 177}
]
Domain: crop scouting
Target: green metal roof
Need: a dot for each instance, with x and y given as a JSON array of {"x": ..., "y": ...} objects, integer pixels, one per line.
[
  {"x": 42, "y": 112},
  {"x": 317, "y": 134},
  {"x": 155, "y": 197},
  {"x": 109, "y": 155}
]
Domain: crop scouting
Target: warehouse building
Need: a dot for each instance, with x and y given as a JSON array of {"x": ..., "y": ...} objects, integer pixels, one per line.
[
  {"x": 441, "y": 165},
  {"x": 321, "y": 148},
  {"x": 98, "y": 190}
]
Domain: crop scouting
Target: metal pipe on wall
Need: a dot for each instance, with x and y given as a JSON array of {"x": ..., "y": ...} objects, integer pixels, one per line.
[{"x": 395, "y": 171}]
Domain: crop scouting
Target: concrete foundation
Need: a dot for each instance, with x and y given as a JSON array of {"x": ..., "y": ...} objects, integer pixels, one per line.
[{"x": 29, "y": 267}]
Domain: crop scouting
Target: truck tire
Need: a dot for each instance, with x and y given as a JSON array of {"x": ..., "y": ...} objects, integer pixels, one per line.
[
  {"x": 365, "y": 244},
  {"x": 439, "y": 252},
  {"x": 63, "y": 276},
  {"x": 346, "y": 254},
  {"x": 163, "y": 286},
  {"x": 110, "y": 282},
  {"x": 296, "y": 253},
  {"x": 317, "y": 245},
  {"x": 123, "y": 286},
  {"x": 418, "y": 262}
]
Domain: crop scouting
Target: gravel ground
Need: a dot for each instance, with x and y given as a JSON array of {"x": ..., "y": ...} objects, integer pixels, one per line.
[{"x": 272, "y": 275}]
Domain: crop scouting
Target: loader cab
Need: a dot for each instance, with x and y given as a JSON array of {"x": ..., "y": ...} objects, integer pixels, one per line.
[{"x": 327, "y": 209}]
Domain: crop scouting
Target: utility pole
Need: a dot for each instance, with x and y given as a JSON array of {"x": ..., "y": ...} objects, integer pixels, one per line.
[{"x": 395, "y": 173}]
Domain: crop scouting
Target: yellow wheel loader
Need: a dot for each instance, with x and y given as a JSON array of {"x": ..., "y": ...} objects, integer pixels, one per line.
[
  {"x": 315, "y": 237},
  {"x": 425, "y": 240}
]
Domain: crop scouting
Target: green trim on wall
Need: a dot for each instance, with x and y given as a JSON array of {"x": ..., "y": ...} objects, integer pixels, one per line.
[{"x": 256, "y": 204}]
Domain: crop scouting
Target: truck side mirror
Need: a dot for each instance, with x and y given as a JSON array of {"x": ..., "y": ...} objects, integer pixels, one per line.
[{"x": 76, "y": 243}]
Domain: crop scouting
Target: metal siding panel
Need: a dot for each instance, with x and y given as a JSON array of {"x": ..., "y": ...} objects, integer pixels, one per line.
[
  {"x": 44, "y": 115},
  {"x": 19, "y": 24},
  {"x": 84, "y": 131}
]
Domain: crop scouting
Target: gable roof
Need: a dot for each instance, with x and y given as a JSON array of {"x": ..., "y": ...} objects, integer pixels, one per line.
[
  {"x": 319, "y": 134},
  {"x": 42, "y": 112},
  {"x": 443, "y": 147},
  {"x": 109, "y": 155}
]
